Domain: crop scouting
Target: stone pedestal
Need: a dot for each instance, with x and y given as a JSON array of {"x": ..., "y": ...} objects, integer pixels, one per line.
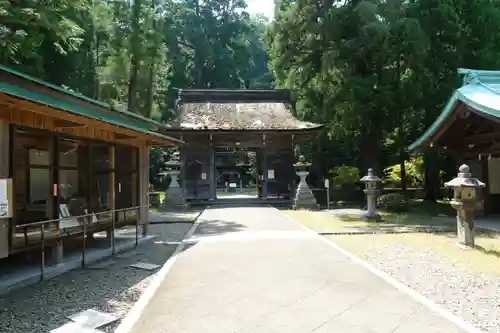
[
  {"x": 465, "y": 223},
  {"x": 464, "y": 201},
  {"x": 371, "y": 206},
  {"x": 174, "y": 194},
  {"x": 371, "y": 191},
  {"x": 304, "y": 198},
  {"x": 174, "y": 197}
]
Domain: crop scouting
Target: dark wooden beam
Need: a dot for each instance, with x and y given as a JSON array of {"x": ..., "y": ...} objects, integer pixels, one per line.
[
  {"x": 119, "y": 136},
  {"x": 60, "y": 123},
  {"x": 479, "y": 138}
]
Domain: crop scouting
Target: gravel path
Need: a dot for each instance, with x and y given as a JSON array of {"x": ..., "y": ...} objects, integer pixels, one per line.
[
  {"x": 474, "y": 297},
  {"x": 114, "y": 289}
]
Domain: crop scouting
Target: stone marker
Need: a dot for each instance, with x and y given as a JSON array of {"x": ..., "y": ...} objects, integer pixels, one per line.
[
  {"x": 371, "y": 181},
  {"x": 304, "y": 197},
  {"x": 464, "y": 201},
  {"x": 174, "y": 196},
  {"x": 93, "y": 318},
  {"x": 145, "y": 265}
]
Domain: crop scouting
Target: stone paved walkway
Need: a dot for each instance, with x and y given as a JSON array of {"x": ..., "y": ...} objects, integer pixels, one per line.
[{"x": 252, "y": 270}]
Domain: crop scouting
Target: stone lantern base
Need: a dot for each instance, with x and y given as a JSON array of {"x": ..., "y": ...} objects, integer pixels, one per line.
[
  {"x": 373, "y": 218},
  {"x": 174, "y": 198},
  {"x": 304, "y": 198}
]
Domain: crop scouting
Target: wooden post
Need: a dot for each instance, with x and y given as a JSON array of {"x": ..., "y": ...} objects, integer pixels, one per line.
[
  {"x": 293, "y": 182},
  {"x": 58, "y": 250},
  {"x": 110, "y": 233},
  {"x": 182, "y": 153},
  {"x": 264, "y": 173},
  {"x": 143, "y": 168},
  {"x": 486, "y": 189},
  {"x": 212, "y": 173},
  {"x": 6, "y": 227}
]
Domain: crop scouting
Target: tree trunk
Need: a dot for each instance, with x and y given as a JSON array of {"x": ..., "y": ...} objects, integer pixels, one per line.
[
  {"x": 431, "y": 176},
  {"x": 151, "y": 68},
  {"x": 369, "y": 153},
  {"x": 134, "y": 58}
]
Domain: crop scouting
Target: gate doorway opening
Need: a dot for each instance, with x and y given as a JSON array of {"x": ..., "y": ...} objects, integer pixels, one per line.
[{"x": 237, "y": 174}]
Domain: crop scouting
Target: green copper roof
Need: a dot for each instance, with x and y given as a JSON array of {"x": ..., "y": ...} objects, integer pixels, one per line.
[
  {"x": 125, "y": 119},
  {"x": 480, "y": 91}
]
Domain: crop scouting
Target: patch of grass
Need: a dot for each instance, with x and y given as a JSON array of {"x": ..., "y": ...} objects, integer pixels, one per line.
[
  {"x": 321, "y": 220},
  {"x": 440, "y": 208},
  {"x": 484, "y": 258}
]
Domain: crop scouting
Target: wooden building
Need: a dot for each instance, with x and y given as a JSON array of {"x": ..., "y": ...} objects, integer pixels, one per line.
[
  {"x": 69, "y": 159},
  {"x": 262, "y": 121},
  {"x": 469, "y": 127}
]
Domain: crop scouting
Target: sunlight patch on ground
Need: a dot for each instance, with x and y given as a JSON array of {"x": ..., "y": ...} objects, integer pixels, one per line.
[
  {"x": 483, "y": 259},
  {"x": 326, "y": 220}
]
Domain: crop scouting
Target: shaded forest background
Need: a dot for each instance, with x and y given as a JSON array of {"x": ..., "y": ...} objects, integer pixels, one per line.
[{"x": 376, "y": 73}]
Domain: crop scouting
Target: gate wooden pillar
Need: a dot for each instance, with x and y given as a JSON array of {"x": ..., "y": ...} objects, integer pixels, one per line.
[
  {"x": 211, "y": 174},
  {"x": 264, "y": 174}
]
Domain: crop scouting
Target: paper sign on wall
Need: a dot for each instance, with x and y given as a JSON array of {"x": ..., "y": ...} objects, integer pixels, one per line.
[
  {"x": 6, "y": 202},
  {"x": 270, "y": 174},
  {"x": 203, "y": 176}
]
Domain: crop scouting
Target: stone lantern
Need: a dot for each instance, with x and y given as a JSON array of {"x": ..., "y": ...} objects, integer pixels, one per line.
[
  {"x": 371, "y": 182},
  {"x": 304, "y": 197},
  {"x": 464, "y": 201},
  {"x": 174, "y": 195}
]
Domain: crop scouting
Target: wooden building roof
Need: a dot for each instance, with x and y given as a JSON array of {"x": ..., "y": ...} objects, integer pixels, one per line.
[
  {"x": 237, "y": 110},
  {"x": 20, "y": 92},
  {"x": 470, "y": 121}
]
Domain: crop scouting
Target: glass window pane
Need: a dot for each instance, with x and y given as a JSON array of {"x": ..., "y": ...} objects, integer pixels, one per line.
[
  {"x": 70, "y": 151},
  {"x": 39, "y": 203},
  {"x": 99, "y": 200},
  {"x": 40, "y": 187},
  {"x": 100, "y": 157},
  {"x": 39, "y": 157},
  {"x": 126, "y": 190},
  {"x": 72, "y": 200},
  {"x": 126, "y": 158},
  {"x": 32, "y": 148}
]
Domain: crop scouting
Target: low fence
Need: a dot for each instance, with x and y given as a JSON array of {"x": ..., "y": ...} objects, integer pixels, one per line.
[{"x": 45, "y": 233}]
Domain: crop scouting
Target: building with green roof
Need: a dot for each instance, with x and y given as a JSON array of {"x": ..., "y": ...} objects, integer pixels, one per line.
[
  {"x": 469, "y": 126},
  {"x": 71, "y": 167}
]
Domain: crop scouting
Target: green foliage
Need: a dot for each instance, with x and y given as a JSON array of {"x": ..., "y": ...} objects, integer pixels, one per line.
[
  {"x": 414, "y": 172},
  {"x": 393, "y": 202},
  {"x": 377, "y": 73},
  {"x": 345, "y": 175},
  {"x": 132, "y": 53}
]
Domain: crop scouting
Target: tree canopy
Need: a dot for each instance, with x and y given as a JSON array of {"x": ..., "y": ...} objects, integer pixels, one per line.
[{"x": 375, "y": 72}]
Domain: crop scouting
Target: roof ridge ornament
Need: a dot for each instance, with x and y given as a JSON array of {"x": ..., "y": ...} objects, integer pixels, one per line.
[{"x": 471, "y": 78}]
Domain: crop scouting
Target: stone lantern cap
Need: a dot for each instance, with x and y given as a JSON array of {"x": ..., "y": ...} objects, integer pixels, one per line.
[
  {"x": 302, "y": 163},
  {"x": 370, "y": 177},
  {"x": 173, "y": 163},
  {"x": 464, "y": 179}
]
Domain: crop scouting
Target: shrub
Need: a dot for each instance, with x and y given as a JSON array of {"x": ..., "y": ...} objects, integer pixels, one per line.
[
  {"x": 393, "y": 202},
  {"x": 345, "y": 175},
  {"x": 414, "y": 172}
]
